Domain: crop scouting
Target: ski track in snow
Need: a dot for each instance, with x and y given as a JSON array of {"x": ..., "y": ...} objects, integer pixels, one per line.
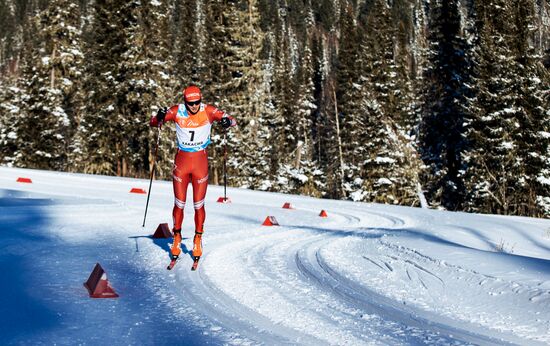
[{"x": 366, "y": 275}]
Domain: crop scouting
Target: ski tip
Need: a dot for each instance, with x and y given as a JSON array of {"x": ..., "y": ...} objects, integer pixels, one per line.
[
  {"x": 172, "y": 264},
  {"x": 195, "y": 263}
]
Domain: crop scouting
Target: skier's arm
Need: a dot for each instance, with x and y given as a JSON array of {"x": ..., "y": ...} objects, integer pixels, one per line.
[
  {"x": 164, "y": 115},
  {"x": 215, "y": 114}
]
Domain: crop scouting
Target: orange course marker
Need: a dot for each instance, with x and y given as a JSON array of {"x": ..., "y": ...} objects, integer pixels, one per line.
[
  {"x": 163, "y": 231},
  {"x": 98, "y": 286},
  {"x": 288, "y": 206},
  {"x": 270, "y": 221}
]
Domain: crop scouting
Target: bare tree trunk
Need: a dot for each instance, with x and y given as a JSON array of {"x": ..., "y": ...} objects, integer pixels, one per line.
[
  {"x": 423, "y": 202},
  {"x": 216, "y": 177},
  {"x": 215, "y": 168},
  {"x": 339, "y": 142},
  {"x": 52, "y": 73},
  {"x": 124, "y": 167},
  {"x": 298, "y": 154}
]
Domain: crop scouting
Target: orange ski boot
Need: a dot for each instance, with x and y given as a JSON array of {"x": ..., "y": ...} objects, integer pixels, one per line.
[
  {"x": 175, "y": 250},
  {"x": 197, "y": 249},
  {"x": 197, "y": 244}
]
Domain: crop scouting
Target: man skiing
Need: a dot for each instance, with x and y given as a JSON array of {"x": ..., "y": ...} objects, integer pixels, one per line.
[{"x": 193, "y": 123}]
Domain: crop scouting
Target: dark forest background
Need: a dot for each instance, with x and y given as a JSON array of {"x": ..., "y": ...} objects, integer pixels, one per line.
[{"x": 371, "y": 100}]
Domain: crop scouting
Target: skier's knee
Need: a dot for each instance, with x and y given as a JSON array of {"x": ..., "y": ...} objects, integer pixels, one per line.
[
  {"x": 199, "y": 204},
  {"x": 179, "y": 203}
]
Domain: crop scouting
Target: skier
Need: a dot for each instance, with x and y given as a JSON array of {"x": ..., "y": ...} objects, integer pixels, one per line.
[{"x": 193, "y": 122}]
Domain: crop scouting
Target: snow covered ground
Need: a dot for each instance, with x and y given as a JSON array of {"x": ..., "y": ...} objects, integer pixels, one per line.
[{"x": 366, "y": 274}]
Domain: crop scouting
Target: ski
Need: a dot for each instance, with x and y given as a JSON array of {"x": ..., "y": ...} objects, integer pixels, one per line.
[
  {"x": 174, "y": 260},
  {"x": 172, "y": 263},
  {"x": 195, "y": 263}
]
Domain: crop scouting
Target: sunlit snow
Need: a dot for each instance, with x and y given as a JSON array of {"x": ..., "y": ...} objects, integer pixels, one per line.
[{"x": 366, "y": 274}]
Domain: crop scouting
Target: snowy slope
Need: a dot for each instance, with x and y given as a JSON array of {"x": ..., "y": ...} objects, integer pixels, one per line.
[{"x": 367, "y": 274}]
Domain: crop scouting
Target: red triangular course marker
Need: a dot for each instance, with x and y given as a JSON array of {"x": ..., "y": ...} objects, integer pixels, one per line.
[
  {"x": 270, "y": 221},
  {"x": 323, "y": 214},
  {"x": 224, "y": 200},
  {"x": 137, "y": 190},
  {"x": 163, "y": 231},
  {"x": 24, "y": 180},
  {"x": 98, "y": 286},
  {"x": 288, "y": 206}
]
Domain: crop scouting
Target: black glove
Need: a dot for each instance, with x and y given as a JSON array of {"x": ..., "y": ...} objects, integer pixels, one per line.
[
  {"x": 161, "y": 113},
  {"x": 225, "y": 122}
]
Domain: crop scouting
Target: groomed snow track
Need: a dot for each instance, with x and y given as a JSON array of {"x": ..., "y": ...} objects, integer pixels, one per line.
[{"x": 365, "y": 275}]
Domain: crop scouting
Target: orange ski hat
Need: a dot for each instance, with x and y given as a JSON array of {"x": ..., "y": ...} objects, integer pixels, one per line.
[{"x": 192, "y": 93}]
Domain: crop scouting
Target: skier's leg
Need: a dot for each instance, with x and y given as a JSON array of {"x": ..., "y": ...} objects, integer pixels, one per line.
[
  {"x": 200, "y": 184},
  {"x": 180, "y": 193},
  {"x": 180, "y": 181}
]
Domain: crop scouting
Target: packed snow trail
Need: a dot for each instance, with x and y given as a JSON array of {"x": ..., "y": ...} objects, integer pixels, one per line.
[{"x": 366, "y": 274}]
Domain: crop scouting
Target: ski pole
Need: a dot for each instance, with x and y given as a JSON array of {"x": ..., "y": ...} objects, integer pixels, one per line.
[
  {"x": 224, "y": 165},
  {"x": 152, "y": 173}
]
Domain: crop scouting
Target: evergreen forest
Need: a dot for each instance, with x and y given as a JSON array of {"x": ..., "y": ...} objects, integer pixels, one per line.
[{"x": 386, "y": 101}]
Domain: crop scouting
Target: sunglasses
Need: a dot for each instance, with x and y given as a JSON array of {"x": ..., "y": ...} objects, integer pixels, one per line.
[{"x": 194, "y": 103}]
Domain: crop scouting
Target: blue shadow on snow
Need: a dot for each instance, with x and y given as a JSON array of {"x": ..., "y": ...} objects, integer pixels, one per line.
[
  {"x": 21, "y": 219},
  {"x": 164, "y": 243}
]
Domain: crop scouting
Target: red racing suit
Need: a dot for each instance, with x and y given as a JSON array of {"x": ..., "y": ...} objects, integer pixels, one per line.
[{"x": 191, "y": 161}]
